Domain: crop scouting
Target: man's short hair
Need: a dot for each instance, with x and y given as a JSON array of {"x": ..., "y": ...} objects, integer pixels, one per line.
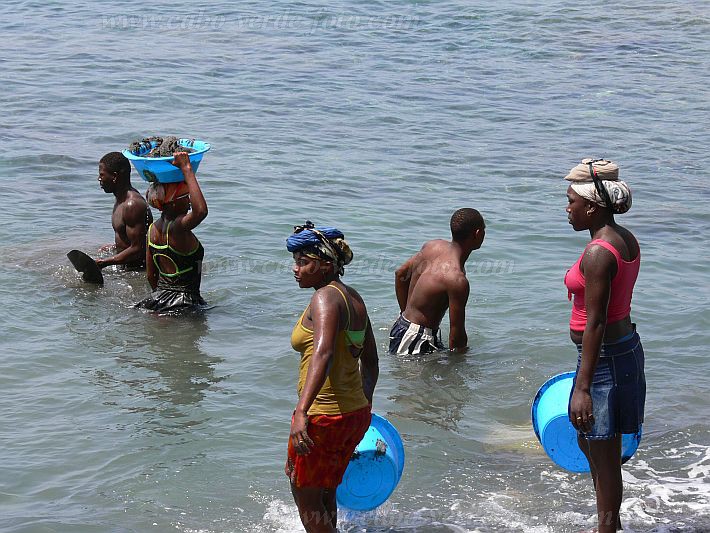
[
  {"x": 464, "y": 222},
  {"x": 118, "y": 163}
]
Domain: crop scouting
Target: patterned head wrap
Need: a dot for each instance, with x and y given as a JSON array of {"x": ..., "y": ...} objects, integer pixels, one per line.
[
  {"x": 597, "y": 180},
  {"x": 321, "y": 243},
  {"x": 159, "y": 194}
]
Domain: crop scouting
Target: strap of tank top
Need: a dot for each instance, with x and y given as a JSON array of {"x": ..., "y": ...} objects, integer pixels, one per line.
[
  {"x": 150, "y": 228},
  {"x": 361, "y": 333},
  {"x": 167, "y": 234},
  {"x": 300, "y": 320},
  {"x": 611, "y": 248},
  {"x": 347, "y": 307}
]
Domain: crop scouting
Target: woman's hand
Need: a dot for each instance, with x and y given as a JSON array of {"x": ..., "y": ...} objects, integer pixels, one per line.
[
  {"x": 182, "y": 161},
  {"x": 580, "y": 411},
  {"x": 302, "y": 443}
]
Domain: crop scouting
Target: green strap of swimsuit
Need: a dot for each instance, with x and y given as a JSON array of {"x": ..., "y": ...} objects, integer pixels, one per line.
[{"x": 167, "y": 246}]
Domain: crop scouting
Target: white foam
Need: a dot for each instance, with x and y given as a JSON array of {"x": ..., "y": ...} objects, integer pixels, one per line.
[
  {"x": 665, "y": 489},
  {"x": 281, "y": 517},
  {"x": 657, "y": 497},
  {"x": 501, "y": 516}
]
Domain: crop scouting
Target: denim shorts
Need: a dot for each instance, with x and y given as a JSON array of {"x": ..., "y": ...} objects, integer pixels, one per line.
[{"x": 618, "y": 389}]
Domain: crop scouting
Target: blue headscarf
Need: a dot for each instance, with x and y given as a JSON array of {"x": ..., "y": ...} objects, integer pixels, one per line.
[{"x": 321, "y": 243}]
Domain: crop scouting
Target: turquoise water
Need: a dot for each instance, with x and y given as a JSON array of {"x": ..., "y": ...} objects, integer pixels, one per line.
[{"x": 380, "y": 118}]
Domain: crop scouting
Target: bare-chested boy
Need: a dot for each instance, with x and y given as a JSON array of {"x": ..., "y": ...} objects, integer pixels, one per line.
[
  {"x": 432, "y": 281},
  {"x": 131, "y": 214}
]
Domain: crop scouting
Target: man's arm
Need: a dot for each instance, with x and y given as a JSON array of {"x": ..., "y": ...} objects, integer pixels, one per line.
[
  {"x": 369, "y": 364},
  {"x": 457, "y": 291},
  {"x": 134, "y": 213},
  {"x": 402, "y": 277}
]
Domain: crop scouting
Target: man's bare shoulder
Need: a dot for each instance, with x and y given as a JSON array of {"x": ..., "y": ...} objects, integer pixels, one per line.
[
  {"x": 134, "y": 208},
  {"x": 135, "y": 198},
  {"x": 456, "y": 280},
  {"x": 435, "y": 247}
]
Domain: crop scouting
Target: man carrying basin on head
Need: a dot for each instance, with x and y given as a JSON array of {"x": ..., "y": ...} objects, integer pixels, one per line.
[
  {"x": 131, "y": 215},
  {"x": 174, "y": 254},
  {"x": 432, "y": 281}
]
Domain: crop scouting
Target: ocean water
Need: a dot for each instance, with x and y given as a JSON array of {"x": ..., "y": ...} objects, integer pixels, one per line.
[{"x": 381, "y": 118}]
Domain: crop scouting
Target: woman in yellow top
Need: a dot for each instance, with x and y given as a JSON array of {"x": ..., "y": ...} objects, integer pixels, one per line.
[{"x": 337, "y": 375}]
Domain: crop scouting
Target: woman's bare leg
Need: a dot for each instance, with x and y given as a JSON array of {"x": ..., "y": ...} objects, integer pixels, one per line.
[{"x": 605, "y": 462}]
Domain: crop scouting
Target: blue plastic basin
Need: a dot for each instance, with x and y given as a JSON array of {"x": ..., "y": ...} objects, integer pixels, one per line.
[
  {"x": 375, "y": 468},
  {"x": 160, "y": 168},
  {"x": 556, "y": 433}
]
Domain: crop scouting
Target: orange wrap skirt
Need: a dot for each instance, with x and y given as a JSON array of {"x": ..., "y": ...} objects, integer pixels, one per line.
[{"x": 334, "y": 440}]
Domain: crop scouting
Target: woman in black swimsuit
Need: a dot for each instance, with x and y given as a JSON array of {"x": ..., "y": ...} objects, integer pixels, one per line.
[{"x": 174, "y": 254}]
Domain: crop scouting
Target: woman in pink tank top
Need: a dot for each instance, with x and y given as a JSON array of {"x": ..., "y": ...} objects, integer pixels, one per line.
[{"x": 609, "y": 391}]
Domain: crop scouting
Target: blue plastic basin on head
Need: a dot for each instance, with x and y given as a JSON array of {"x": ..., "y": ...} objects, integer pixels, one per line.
[
  {"x": 556, "y": 433},
  {"x": 160, "y": 168},
  {"x": 375, "y": 468}
]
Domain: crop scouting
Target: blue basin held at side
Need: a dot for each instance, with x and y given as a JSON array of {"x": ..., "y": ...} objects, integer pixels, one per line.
[
  {"x": 375, "y": 468},
  {"x": 556, "y": 433}
]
